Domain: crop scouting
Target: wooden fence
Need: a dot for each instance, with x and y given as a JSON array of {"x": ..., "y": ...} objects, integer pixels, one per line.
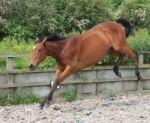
[{"x": 95, "y": 80}]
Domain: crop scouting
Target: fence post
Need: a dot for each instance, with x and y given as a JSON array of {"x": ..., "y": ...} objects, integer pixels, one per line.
[
  {"x": 141, "y": 62},
  {"x": 9, "y": 67},
  {"x": 9, "y": 63},
  {"x": 141, "y": 59}
]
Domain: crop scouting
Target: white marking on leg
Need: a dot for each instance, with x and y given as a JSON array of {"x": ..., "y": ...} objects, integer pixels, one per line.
[{"x": 52, "y": 83}]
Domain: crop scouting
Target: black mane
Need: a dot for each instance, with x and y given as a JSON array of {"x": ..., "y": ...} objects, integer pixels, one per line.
[{"x": 54, "y": 37}]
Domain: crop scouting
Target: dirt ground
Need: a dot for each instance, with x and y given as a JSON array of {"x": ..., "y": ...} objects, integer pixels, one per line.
[{"x": 96, "y": 109}]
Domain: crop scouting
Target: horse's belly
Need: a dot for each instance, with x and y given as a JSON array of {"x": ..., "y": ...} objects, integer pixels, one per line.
[
  {"x": 93, "y": 48},
  {"x": 92, "y": 55}
]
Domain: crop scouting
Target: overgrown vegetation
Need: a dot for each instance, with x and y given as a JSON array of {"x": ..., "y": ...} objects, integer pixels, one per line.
[
  {"x": 22, "y": 19},
  {"x": 70, "y": 93}
]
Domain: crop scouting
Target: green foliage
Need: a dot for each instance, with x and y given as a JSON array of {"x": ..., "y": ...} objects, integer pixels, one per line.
[
  {"x": 18, "y": 32},
  {"x": 114, "y": 3},
  {"x": 70, "y": 93},
  {"x": 25, "y": 18},
  {"x": 108, "y": 60},
  {"x": 137, "y": 11},
  {"x": 140, "y": 40},
  {"x": 15, "y": 99},
  {"x": 20, "y": 63},
  {"x": 8, "y": 45},
  {"x": 2, "y": 64},
  {"x": 84, "y": 14},
  {"x": 48, "y": 63}
]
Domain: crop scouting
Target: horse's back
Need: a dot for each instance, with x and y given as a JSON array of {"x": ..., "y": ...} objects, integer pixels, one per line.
[{"x": 110, "y": 33}]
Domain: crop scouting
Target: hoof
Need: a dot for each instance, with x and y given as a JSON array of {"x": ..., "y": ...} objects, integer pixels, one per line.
[
  {"x": 44, "y": 105},
  {"x": 41, "y": 106},
  {"x": 116, "y": 71},
  {"x": 140, "y": 78},
  {"x": 119, "y": 74}
]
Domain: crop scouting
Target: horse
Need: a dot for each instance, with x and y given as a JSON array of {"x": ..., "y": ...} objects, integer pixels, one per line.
[{"x": 77, "y": 52}]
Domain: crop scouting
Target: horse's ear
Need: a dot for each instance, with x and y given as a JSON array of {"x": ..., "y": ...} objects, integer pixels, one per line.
[
  {"x": 38, "y": 40},
  {"x": 44, "y": 40}
]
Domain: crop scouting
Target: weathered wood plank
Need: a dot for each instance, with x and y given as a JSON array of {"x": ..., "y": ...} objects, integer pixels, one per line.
[
  {"x": 14, "y": 55},
  {"x": 28, "y": 54},
  {"x": 144, "y": 52},
  {"x": 34, "y": 84},
  {"x": 141, "y": 59},
  {"x": 9, "y": 63}
]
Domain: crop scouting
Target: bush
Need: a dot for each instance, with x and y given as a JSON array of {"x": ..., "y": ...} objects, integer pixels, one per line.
[
  {"x": 18, "y": 32},
  {"x": 9, "y": 45},
  {"x": 140, "y": 40},
  {"x": 84, "y": 14},
  {"x": 137, "y": 11},
  {"x": 25, "y": 18},
  {"x": 114, "y": 3}
]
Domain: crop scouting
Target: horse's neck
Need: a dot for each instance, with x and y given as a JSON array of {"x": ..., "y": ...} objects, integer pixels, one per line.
[{"x": 55, "y": 48}]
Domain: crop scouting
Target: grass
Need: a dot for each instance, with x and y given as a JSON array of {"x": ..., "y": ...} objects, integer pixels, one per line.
[
  {"x": 70, "y": 93},
  {"x": 15, "y": 99}
]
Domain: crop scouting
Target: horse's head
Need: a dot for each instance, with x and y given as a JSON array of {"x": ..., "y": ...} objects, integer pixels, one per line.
[{"x": 39, "y": 53}]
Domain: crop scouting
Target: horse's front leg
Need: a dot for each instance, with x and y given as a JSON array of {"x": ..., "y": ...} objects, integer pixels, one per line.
[
  {"x": 57, "y": 74},
  {"x": 60, "y": 76}
]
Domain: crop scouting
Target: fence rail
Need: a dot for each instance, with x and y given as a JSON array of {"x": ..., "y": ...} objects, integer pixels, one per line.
[{"x": 10, "y": 58}]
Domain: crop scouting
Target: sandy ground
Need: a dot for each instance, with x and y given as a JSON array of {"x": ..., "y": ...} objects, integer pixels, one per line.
[{"x": 97, "y": 109}]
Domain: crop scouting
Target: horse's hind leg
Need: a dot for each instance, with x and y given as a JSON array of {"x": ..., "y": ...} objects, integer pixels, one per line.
[
  {"x": 133, "y": 55},
  {"x": 116, "y": 66}
]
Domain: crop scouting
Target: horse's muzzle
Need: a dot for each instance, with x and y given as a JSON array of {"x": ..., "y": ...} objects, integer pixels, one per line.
[{"x": 32, "y": 67}]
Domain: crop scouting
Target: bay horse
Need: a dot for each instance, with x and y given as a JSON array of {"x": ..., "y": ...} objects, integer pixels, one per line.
[{"x": 77, "y": 52}]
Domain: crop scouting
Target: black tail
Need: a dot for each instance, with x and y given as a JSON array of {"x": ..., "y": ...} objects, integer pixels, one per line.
[{"x": 126, "y": 24}]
